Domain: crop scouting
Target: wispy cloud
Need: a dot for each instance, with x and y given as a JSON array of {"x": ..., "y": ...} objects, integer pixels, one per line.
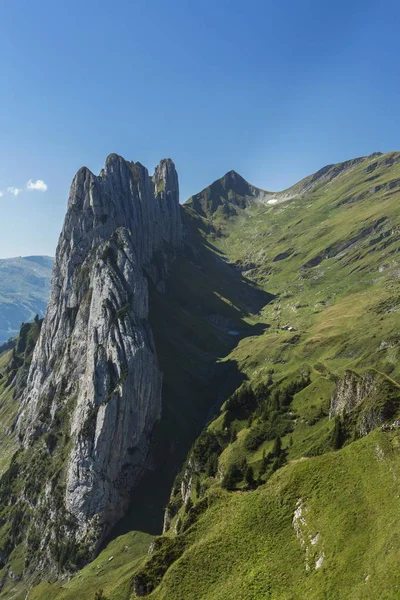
[
  {"x": 38, "y": 185},
  {"x": 32, "y": 186},
  {"x": 14, "y": 190}
]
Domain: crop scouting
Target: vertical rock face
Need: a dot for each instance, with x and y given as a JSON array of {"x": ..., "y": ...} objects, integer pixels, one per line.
[
  {"x": 95, "y": 359},
  {"x": 350, "y": 391}
]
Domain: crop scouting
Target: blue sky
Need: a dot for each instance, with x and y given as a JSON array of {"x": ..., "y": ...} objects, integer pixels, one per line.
[{"x": 274, "y": 90}]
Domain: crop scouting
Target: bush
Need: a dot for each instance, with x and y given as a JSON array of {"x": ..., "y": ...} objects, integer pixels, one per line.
[
  {"x": 258, "y": 434},
  {"x": 233, "y": 475},
  {"x": 212, "y": 465},
  {"x": 205, "y": 447}
]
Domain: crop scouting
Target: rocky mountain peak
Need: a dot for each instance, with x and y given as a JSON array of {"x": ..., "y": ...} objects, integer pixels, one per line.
[
  {"x": 225, "y": 195},
  {"x": 95, "y": 368}
]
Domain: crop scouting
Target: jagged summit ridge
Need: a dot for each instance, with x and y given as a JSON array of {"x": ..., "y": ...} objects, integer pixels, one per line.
[
  {"x": 122, "y": 194},
  {"x": 95, "y": 359}
]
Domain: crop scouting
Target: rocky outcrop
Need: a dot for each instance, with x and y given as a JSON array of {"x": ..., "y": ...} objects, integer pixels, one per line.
[
  {"x": 95, "y": 357},
  {"x": 350, "y": 391},
  {"x": 181, "y": 493},
  {"x": 365, "y": 401}
]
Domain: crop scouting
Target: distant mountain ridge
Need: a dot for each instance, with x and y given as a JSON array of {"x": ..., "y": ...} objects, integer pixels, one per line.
[{"x": 24, "y": 291}]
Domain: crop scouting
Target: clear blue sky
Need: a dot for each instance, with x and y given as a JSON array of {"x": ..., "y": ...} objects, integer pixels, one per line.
[{"x": 274, "y": 90}]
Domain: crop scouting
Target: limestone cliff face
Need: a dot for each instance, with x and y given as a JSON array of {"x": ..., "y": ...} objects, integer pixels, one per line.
[
  {"x": 365, "y": 401},
  {"x": 350, "y": 391},
  {"x": 95, "y": 358}
]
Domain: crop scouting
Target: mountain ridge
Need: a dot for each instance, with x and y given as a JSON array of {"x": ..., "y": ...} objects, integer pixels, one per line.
[{"x": 206, "y": 202}]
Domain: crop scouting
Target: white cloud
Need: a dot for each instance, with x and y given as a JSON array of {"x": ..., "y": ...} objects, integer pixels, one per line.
[
  {"x": 38, "y": 185},
  {"x": 14, "y": 190},
  {"x": 272, "y": 201}
]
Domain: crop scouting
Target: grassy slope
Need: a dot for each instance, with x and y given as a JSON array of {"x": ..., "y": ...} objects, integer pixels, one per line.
[
  {"x": 110, "y": 572},
  {"x": 245, "y": 545},
  {"x": 8, "y": 411},
  {"x": 344, "y": 310}
]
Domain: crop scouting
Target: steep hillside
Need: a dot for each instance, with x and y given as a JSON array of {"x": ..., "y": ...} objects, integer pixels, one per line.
[
  {"x": 275, "y": 318},
  {"x": 15, "y": 360},
  {"x": 326, "y": 527},
  {"x": 24, "y": 291},
  {"x": 140, "y": 298},
  {"x": 322, "y": 376},
  {"x": 330, "y": 256}
]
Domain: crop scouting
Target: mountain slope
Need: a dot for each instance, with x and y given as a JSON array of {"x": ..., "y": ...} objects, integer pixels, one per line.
[
  {"x": 330, "y": 257},
  {"x": 323, "y": 527},
  {"x": 100, "y": 439},
  {"x": 291, "y": 299},
  {"x": 25, "y": 288}
]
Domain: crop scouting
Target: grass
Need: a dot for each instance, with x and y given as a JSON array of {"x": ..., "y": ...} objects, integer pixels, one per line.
[
  {"x": 337, "y": 318},
  {"x": 326, "y": 263},
  {"x": 8, "y": 412},
  {"x": 111, "y": 572},
  {"x": 245, "y": 545}
]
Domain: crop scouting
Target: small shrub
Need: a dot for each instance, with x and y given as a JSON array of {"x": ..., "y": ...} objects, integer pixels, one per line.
[{"x": 233, "y": 475}]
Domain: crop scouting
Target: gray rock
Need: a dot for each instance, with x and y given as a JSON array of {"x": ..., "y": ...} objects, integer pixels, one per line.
[
  {"x": 350, "y": 391},
  {"x": 95, "y": 357}
]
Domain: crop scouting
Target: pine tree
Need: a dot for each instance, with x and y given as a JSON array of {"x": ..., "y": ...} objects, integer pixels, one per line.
[
  {"x": 277, "y": 449},
  {"x": 249, "y": 476},
  {"x": 264, "y": 463},
  {"x": 212, "y": 465},
  {"x": 232, "y": 476},
  {"x": 198, "y": 487}
]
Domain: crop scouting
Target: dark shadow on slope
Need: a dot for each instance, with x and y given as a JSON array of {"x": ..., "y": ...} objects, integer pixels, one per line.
[{"x": 197, "y": 322}]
